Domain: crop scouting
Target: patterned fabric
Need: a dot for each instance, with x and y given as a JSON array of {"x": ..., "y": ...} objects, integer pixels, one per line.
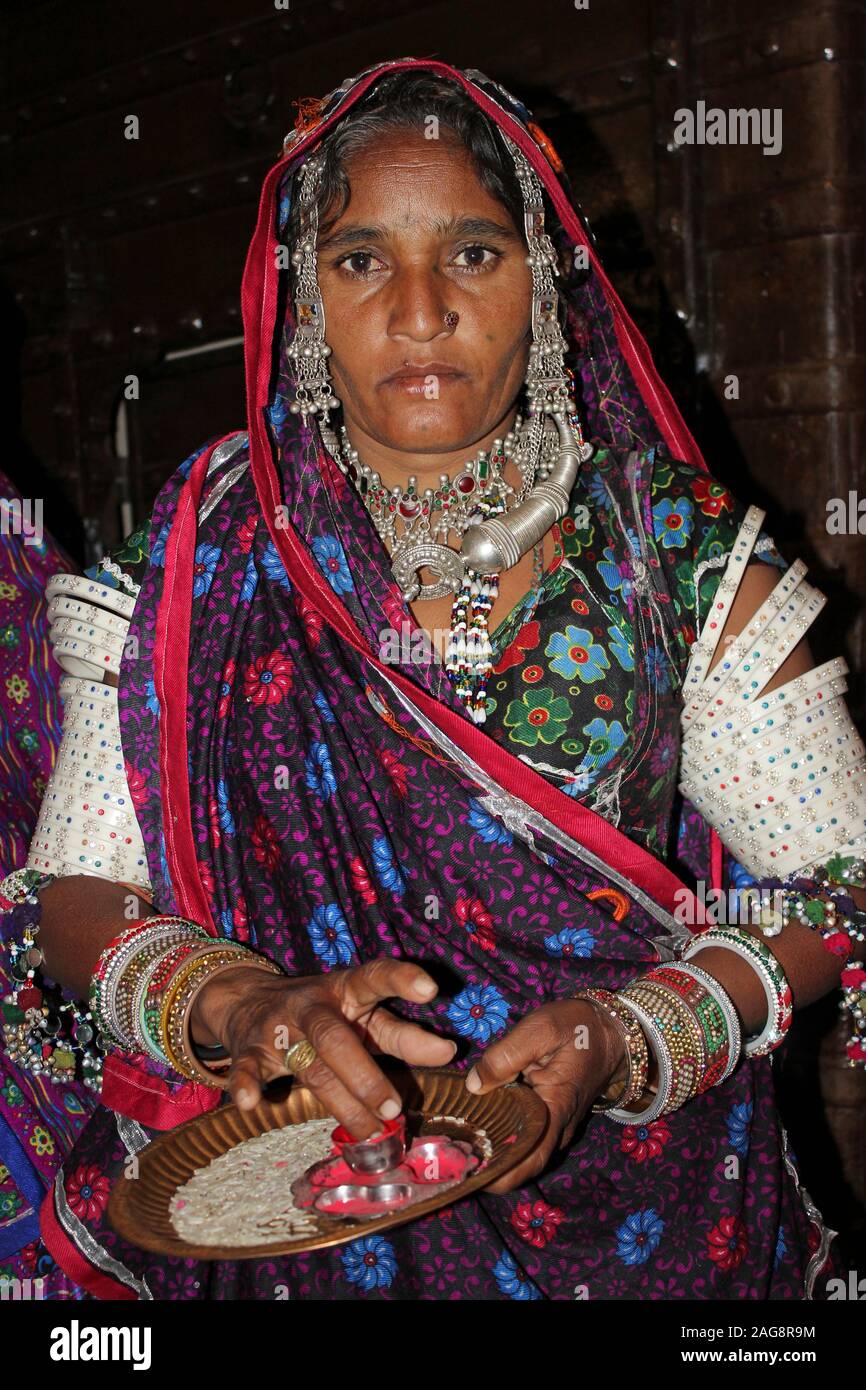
[
  {"x": 331, "y": 819},
  {"x": 38, "y": 1121}
]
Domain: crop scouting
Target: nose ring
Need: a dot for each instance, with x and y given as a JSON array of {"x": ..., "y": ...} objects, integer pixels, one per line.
[{"x": 452, "y": 318}]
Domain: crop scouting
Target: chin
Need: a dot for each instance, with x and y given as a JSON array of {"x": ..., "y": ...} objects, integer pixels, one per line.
[{"x": 428, "y": 428}]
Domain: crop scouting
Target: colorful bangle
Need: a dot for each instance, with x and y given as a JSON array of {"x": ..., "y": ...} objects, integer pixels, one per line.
[
  {"x": 176, "y": 1027},
  {"x": 657, "y": 1043},
  {"x": 717, "y": 1072},
  {"x": 772, "y": 976},
  {"x": 635, "y": 1044},
  {"x": 676, "y": 1019}
]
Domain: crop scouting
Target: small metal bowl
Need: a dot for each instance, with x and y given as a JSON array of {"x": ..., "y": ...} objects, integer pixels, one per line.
[
  {"x": 378, "y": 1154},
  {"x": 391, "y": 1194}
]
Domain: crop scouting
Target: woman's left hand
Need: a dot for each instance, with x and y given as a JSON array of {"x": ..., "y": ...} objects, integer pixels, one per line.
[{"x": 569, "y": 1052}]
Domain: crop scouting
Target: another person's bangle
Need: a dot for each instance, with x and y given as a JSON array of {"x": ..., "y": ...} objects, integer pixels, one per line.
[{"x": 768, "y": 969}]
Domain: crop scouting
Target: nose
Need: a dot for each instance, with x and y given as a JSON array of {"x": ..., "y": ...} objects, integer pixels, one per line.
[{"x": 419, "y": 305}]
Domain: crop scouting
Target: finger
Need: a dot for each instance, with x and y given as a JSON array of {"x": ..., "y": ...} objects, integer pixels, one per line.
[
  {"x": 343, "y": 1052},
  {"x": 534, "y": 1036},
  {"x": 249, "y": 1072},
  {"x": 339, "y": 1101},
  {"x": 409, "y": 1041},
  {"x": 386, "y": 979}
]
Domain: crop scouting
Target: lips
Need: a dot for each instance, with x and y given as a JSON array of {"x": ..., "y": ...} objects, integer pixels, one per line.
[{"x": 420, "y": 371}]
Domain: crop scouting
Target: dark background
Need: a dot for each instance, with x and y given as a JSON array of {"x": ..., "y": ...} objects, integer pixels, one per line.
[{"x": 118, "y": 254}]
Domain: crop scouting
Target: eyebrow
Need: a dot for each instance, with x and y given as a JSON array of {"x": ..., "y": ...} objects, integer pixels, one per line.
[{"x": 353, "y": 234}]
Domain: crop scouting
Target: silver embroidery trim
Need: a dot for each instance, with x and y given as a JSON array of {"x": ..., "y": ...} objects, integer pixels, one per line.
[
  {"x": 819, "y": 1257},
  {"x": 221, "y": 455},
  {"x": 90, "y": 1248},
  {"x": 134, "y": 1137},
  {"x": 518, "y": 818}
]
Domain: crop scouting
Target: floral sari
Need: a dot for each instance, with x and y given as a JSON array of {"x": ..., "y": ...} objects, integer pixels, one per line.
[{"x": 296, "y": 792}]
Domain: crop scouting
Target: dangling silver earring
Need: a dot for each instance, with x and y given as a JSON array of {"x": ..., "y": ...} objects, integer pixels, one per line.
[
  {"x": 499, "y": 542},
  {"x": 308, "y": 349}
]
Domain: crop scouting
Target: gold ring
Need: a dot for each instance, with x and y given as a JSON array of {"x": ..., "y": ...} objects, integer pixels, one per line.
[{"x": 300, "y": 1055}]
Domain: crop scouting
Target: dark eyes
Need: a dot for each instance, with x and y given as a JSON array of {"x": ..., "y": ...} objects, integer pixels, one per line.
[{"x": 364, "y": 265}]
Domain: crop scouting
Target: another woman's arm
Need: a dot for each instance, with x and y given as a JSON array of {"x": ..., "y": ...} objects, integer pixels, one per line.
[{"x": 811, "y": 969}]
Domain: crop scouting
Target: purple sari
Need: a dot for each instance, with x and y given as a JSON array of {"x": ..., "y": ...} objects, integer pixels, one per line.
[{"x": 295, "y": 793}]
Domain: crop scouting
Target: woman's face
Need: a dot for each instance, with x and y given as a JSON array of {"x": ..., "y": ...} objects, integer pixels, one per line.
[{"x": 420, "y": 238}]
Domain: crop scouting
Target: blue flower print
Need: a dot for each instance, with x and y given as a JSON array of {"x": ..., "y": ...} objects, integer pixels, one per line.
[
  {"x": 320, "y": 771},
  {"x": 738, "y": 1120},
  {"x": 781, "y": 1248},
  {"x": 250, "y": 581},
  {"x": 616, "y": 581},
  {"x": 152, "y": 700},
  {"x": 277, "y": 414},
  {"x": 227, "y": 922},
  {"x": 492, "y": 831},
  {"x": 387, "y": 871},
  {"x": 204, "y": 568},
  {"x": 673, "y": 522},
  {"x": 157, "y": 554},
  {"x": 639, "y": 1236},
  {"x": 369, "y": 1262},
  {"x": 332, "y": 562},
  {"x": 320, "y": 700},
  {"x": 226, "y": 819},
  {"x": 658, "y": 669},
  {"x": 478, "y": 1012},
  {"x": 329, "y": 933},
  {"x": 576, "y": 654},
  {"x": 571, "y": 941},
  {"x": 597, "y": 490},
  {"x": 619, "y": 645},
  {"x": 605, "y": 741},
  {"x": 274, "y": 568},
  {"x": 511, "y": 1279}
]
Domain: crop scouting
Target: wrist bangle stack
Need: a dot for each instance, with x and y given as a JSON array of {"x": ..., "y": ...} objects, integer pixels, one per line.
[
  {"x": 635, "y": 1043},
  {"x": 112, "y": 982},
  {"x": 691, "y": 1026},
  {"x": 146, "y": 981},
  {"x": 771, "y": 975}
]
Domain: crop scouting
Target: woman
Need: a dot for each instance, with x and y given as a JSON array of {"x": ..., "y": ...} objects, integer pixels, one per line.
[{"x": 335, "y": 776}]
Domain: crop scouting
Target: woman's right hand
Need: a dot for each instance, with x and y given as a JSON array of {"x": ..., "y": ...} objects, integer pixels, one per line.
[{"x": 258, "y": 1016}]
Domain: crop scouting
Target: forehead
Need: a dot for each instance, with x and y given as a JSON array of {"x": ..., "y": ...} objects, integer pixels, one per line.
[{"x": 404, "y": 165}]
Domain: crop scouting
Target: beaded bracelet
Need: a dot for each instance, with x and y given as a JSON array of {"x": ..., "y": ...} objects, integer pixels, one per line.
[
  {"x": 178, "y": 1006},
  {"x": 772, "y": 977},
  {"x": 729, "y": 1013},
  {"x": 709, "y": 1017},
  {"x": 635, "y": 1043},
  {"x": 114, "y": 958},
  {"x": 658, "y": 1044},
  {"x": 681, "y": 1031},
  {"x": 43, "y": 1032}
]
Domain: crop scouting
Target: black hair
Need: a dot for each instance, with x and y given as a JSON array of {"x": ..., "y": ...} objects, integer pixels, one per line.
[{"x": 407, "y": 101}]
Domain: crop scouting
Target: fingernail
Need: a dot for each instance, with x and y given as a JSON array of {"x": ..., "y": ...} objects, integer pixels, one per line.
[
  {"x": 389, "y": 1109},
  {"x": 243, "y": 1096},
  {"x": 425, "y": 986},
  {"x": 453, "y": 1049},
  {"x": 473, "y": 1081}
]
